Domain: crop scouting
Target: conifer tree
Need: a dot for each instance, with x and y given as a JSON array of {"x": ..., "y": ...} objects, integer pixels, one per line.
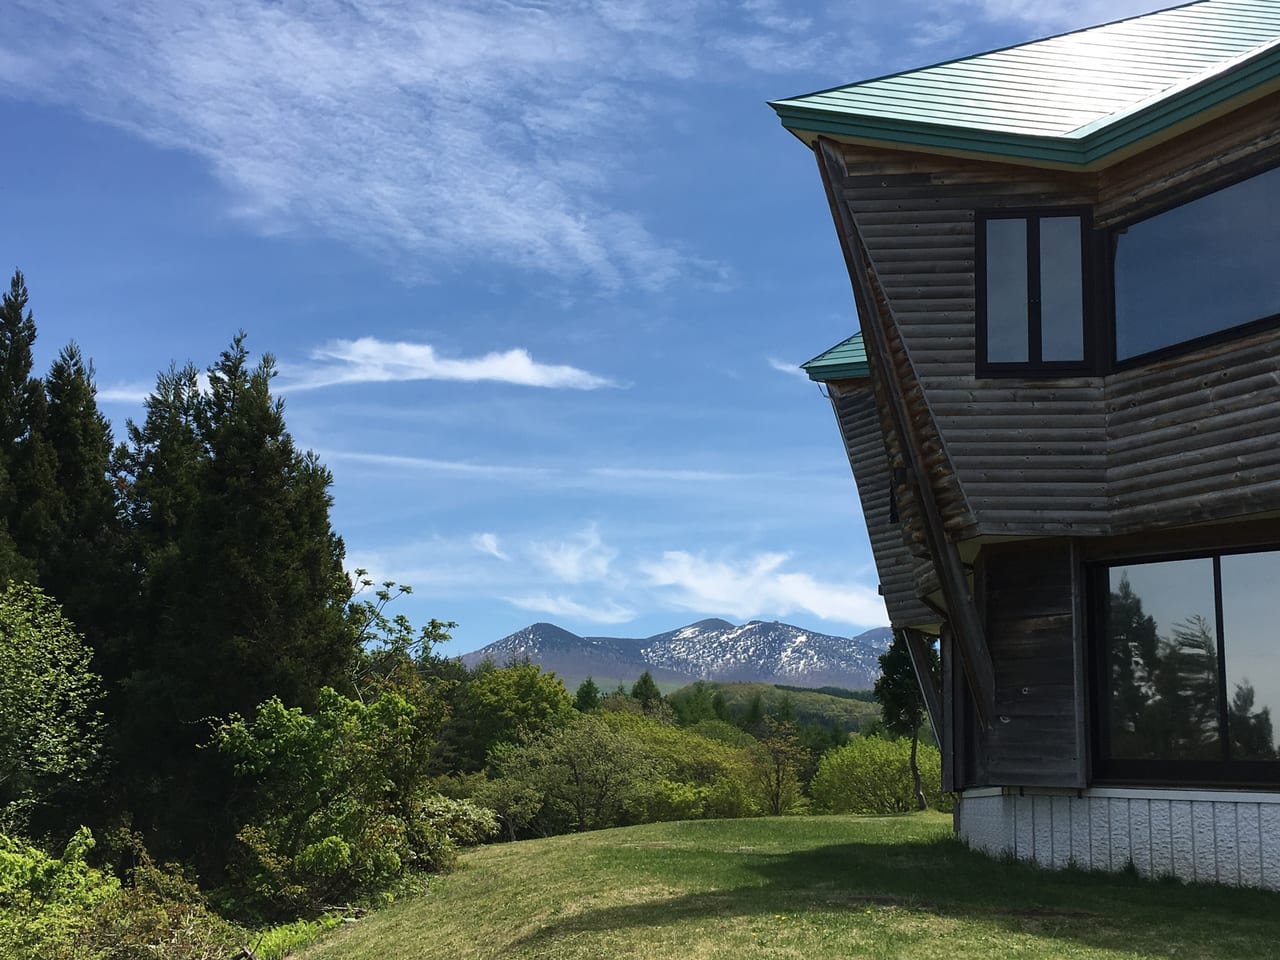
[
  {"x": 76, "y": 552},
  {"x": 18, "y": 393},
  {"x": 241, "y": 594},
  {"x": 647, "y": 693}
]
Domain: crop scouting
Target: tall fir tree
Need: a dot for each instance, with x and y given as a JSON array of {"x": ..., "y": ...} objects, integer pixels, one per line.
[
  {"x": 77, "y": 553},
  {"x": 241, "y": 592},
  {"x": 18, "y": 396}
]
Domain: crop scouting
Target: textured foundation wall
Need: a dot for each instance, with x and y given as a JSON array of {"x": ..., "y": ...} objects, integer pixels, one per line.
[{"x": 1207, "y": 836}]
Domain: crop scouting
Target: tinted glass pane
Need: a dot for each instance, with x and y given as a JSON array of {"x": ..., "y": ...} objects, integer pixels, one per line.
[
  {"x": 1203, "y": 267},
  {"x": 1249, "y": 584},
  {"x": 1061, "y": 290},
  {"x": 1162, "y": 659},
  {"x": 1006, "y": 291}
]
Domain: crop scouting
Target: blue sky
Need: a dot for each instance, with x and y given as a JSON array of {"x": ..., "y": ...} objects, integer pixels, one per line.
[{"x": 537, "y": 274}]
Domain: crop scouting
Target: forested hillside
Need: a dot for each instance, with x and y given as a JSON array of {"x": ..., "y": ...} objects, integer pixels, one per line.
[{"x": 214, "y": 739}]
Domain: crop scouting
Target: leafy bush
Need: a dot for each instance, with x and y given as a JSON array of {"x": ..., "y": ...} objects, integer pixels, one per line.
[
  {"x": 345, "y": 812},
  {"x": 873, "y": 775},
  {"x": 579, "y": 777},
  {"x": 46, "y": 902},
  {"x": 49, "y": 725},
  {"x": 55, "y": 908},
  {"x": 278, "y": 942}
]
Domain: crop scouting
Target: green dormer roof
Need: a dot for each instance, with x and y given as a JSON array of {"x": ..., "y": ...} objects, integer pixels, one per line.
[
  {"x": 847, "y": 360},
  {"x": 1074, "y": 100}
]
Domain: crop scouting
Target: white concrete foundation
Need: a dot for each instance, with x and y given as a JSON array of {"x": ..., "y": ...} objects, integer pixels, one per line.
[{"x": 1217, "y": 836}]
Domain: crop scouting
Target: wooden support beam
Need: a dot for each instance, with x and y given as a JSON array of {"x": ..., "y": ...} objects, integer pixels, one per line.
[
  {"x": 952, "y": 762},
  {"x": 918, "y": 646},
  {"x": 877, "y": 332}
]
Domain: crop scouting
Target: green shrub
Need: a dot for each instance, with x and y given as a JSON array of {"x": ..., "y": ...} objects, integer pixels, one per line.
[
  {"x": 275, "y": 943},
  {"x": 46, "y": 903},
  {"x": 60, "y": 908},
  {"x": 345, "y": 812},
  {"x": 872, "y": 775}
]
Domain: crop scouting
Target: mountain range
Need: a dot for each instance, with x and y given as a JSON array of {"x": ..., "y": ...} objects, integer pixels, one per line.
[{"x": 763, "y": 652}]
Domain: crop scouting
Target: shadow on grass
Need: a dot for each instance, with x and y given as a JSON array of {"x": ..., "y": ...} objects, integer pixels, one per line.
[{"x": 944, "y": 879}]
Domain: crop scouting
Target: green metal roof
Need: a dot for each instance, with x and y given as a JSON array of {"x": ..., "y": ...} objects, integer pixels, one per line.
[
  {"x": 847, "y": 360},
  {"x": 1073, "y": 99}
]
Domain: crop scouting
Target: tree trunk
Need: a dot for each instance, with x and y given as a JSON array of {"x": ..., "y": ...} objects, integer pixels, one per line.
[{"x": 921, "y": 802}]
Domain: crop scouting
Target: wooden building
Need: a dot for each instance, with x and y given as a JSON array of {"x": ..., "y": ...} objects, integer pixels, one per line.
[{"x": 1062, "y": 409}]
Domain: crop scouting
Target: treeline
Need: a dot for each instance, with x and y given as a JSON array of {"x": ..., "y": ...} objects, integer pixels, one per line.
[
  {"x": 209, "y": 731},
  {"x": 189, "y": 676},
  {"x": 707, "y": 750}
]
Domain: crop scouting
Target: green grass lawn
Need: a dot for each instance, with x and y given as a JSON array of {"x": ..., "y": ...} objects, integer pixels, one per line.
[{"x": 817, "y": 888}]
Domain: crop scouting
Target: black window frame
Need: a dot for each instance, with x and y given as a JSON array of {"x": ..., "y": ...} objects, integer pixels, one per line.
[
  {"x": 1106, "y": 770},
  {"x": 1034, "y": 365},
  {"x": 1107, "y": 273}
]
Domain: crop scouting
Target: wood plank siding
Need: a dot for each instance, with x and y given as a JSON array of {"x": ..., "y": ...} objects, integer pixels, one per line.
[
  {"x": 1034, "y": 738},
  {"x": 1173, "y": 441},
  {"x": 1013, "y": 446},
  {"x": 855, "y": 410}
]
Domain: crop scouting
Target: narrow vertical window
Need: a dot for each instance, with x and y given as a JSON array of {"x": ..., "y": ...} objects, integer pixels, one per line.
[
  {"x": 1031, "y": 293},
  {"x": 1061, "y": 290},
  {"x": 1007, "y": 295}
]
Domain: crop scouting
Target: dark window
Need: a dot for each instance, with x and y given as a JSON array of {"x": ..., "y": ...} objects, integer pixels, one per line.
[
  {"x": 1198, "y": 269},
  {"x": 1031, "y": 292},
  {"x": 1186, "y": 672}
]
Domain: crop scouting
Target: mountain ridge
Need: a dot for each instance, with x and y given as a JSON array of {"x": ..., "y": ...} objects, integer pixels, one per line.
[{"x": 709, "y": 649}]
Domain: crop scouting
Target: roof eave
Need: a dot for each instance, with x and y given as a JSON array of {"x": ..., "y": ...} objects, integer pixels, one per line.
[
  {"x": 1093, "y": 146},
  {"x": 826, "y": 372}
]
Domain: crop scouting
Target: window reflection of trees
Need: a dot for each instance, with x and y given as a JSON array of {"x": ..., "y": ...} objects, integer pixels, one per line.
[{"x": 1164, "y": 689}]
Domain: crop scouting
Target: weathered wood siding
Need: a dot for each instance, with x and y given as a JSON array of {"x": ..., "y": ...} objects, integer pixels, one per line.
[
  {"x": 1013, "y": 445},
  {"x": 1173, "y": 441},
  {"x": 1035, "y": 736},
  {"x": 1195, "y": 438},
  {"x": 855, "y": 411}
]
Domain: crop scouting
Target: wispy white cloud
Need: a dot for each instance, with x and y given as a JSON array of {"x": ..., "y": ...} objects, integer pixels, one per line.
[
  {"x": 789, "y": 368},
  {"x": 488, "y": 543},
  {"x": 370, "y": 360},
  {"x": 559, "y": 606},
  {"x": 662, "y": 474},
  {"x": 437, "y": 136},
  {"x": 429, "y": 465},
  {"x": 1047, "y": 17},
  {"x": 758, "y": 586},
  {"x": 581, "y": 558},
  {"x": 134, "y": 393}
]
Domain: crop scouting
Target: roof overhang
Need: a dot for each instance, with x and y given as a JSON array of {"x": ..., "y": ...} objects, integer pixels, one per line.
[
  {"x": 1093, "y": 146},
  {"x": 847, "y": 360}
]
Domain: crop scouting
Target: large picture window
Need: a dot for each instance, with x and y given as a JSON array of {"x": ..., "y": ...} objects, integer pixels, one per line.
[
  {"x": 1199, "y": 269},
  {"x": 1031, "y": 292},
  {"x": 1187, "y": 667}
]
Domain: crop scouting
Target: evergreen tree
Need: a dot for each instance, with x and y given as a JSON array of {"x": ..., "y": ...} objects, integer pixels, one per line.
[
  {"x": 587, "y": 696},
  {"x": 240, "y": 591},
  {"x": 647, "y": 693},
  {"x": 17, "y": 389},
  {"x": 18, "y": 399},
  {"x": 76, "y": 554}
]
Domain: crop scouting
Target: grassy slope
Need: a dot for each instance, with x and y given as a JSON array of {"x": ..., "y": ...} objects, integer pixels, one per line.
[{"x": 817, "y": 888}]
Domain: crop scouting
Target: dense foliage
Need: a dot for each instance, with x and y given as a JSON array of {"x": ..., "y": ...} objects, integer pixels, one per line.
[
  {"x": 187, "y": 672},
  {"x": 49, "y": 722},
  {"x": 873, "y": 775}
]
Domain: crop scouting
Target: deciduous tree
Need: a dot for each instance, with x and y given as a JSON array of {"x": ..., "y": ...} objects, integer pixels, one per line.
[{"x": 49, "y": 721}]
